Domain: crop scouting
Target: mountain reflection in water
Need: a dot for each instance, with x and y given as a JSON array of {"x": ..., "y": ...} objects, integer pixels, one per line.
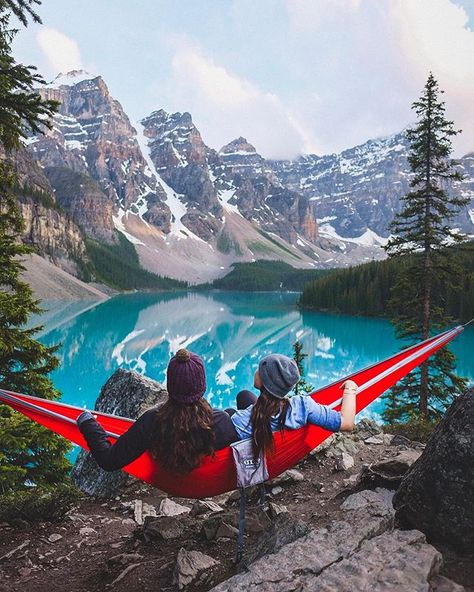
[{"x": 231, "y": 331}]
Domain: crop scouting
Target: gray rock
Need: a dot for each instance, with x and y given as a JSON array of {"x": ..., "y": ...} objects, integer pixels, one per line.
[
  {"x": 124, "y": 558},
  {"x": 351, "y": 481},
  {"x": 87, "y": 531},
  {"x": 225, "y": 530},
  {"x": 257, "y": 520},
  {"x": 282, "y": 530},
  {"x": 205, "y": 507},
  {"x": 192, "y": 568},
  {"x": 318, "y": 486},
  {"x": 379, "y": 500},
  {"x": 360, "y": 552},
  {"x": 295, "y": 566},
  {"x": 339, "y": 444},
  {"x": 441, "y": 584},
  {"x": 437, "y": 494},
  {"x": 141, "y": 510},
  {"x": 232, "y": 497},
  {"x": 399, "y": 440},
  {"x": 211, "y": 525},
  {"x": 290, "y": 476},
  {"x": 127, "y": 394},
  {"x": 377, "y": 440},
  {"x": 365, "y": 428},
  {"x": 345, "y": 462},
  {"x": 170, "y": 508},
  {"x": 276, "y": 509},
  {"x": 162, "y": 528},
  {"x": 55, "y": 537},
  {"x": 393, "y": 561},
  {"x": 388, "y": 472}
]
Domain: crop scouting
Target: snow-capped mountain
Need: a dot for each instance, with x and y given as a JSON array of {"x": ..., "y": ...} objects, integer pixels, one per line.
[
  {"x": 93, "y": 137},
  {"x": 260, "y": 196},
  {"x": 192, "y": 211},
  {"x": 356, "y": 193}
]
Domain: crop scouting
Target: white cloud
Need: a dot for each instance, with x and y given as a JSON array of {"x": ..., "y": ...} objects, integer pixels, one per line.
[
  {"x": 308, "y": 15},
  {"x": 61, "y": 51},
  {"x": 292, "y": 75},
  {"x": 226, "y": 106},
  {"x": 434, "y": 35},
  {"x": 366, "y": 61}
]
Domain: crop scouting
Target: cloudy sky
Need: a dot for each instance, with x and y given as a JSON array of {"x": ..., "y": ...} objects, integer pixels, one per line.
[{"x": 292, "y": 76}]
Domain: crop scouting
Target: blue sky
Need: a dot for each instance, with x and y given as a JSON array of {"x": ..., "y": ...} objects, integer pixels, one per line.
[{"x": 292, "y": 76}]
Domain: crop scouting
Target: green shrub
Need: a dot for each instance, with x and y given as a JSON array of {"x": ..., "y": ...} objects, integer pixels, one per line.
[
  {"x": 38, "y": 503},
  {"x": 418, "y": 429}
]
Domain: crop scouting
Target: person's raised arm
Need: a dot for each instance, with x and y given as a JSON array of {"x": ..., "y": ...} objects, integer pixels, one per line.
[
  {"x": 126, "y": 449},
  {"x": 348, "y": 408}
]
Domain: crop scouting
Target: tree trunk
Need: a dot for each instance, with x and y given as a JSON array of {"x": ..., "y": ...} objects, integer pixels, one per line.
[{"x": 427, "y": 271}]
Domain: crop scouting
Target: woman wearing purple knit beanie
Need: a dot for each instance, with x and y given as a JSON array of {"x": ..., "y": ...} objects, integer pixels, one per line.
[{"x": 178, "y": 433}]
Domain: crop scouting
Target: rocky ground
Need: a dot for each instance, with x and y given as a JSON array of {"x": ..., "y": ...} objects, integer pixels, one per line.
[{"x": 329, "y": 524}]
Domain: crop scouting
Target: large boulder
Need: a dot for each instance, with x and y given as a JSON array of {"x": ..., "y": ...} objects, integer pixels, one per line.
[
  {"x": 437, "y": 494},
  {"x": 127, "y": 394},
  {"x": 388, "y": 472},
  {"x": 358, "y": 552}
]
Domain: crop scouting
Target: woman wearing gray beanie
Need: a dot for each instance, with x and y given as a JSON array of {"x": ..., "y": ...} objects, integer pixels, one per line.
[
  {"x": 178, "y": 433},
  {"x": 259, "y": 417}
]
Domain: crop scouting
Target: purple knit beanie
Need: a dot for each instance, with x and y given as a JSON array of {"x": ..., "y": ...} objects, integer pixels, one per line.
[{"x": 186, "y": 377}]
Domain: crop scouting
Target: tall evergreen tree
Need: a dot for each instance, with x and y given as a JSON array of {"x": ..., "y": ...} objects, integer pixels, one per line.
[
  {"x": 29, "y": 454},
  {"x": 422, "y": 230}
]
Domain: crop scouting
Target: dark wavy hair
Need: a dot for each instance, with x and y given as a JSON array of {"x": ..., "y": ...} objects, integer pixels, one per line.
[
  {"x": 266, "y": 407},
  {"x": 182, "y": 435}
]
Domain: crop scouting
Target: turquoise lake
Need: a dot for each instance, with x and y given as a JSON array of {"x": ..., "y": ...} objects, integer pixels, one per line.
[{"x": 231, "y": 331}]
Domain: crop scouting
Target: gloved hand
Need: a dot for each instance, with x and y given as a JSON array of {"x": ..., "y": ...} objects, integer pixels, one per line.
[{"x": 84, "y": 416}]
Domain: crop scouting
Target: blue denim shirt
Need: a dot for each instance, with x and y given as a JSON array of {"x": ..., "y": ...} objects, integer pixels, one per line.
[{"x": 302, "y": 410}]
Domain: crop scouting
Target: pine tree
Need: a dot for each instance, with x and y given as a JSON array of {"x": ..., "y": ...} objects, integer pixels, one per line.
[
  {"x": 298, "y": 355},
  {"x": 29, "y": 454},
  {"x": 421, "y": 231}
]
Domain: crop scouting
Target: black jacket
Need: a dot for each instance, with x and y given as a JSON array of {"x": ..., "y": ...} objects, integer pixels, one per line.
[{"x": 136, "y": 440}]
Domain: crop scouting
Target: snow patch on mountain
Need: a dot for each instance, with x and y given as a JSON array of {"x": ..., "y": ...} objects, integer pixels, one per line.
[
  {"x": 70, "y": 78},
  {"x": 368, "y": 239},
  {"x": 120, "y": 226},
  {"x": 224, "y": 196},
  {"x": 177, "y": 207}
]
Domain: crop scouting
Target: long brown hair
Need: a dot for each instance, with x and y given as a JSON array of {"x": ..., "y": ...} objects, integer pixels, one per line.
[
  {"x": 183, "y": 434},
  {"x": 266, "y": 407}
]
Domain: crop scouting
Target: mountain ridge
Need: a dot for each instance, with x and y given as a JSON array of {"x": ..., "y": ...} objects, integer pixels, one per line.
[{"x": 191, "y": 211}]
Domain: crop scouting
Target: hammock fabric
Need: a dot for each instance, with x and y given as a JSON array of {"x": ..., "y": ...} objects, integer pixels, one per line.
[{"x": 216, "y": 474}]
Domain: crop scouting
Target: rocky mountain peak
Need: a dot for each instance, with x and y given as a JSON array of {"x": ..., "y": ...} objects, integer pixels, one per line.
[
  {"x": 239, "y": 145},
  {"x": 174, "y": 139},
  {"x": 71, "y": 78},
  {"x": 239, "y": 156},
  {"x": 93, "y": 136}
]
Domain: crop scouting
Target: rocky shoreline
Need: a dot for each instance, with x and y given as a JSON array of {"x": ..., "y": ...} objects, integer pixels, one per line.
[{"x": 328, "y": 524}]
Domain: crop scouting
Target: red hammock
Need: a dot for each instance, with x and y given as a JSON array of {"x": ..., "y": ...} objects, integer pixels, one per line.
[{"x": 216, "y": 474}]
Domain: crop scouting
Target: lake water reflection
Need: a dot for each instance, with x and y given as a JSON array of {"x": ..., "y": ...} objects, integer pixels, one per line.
[{"x": 231, "y": 331}]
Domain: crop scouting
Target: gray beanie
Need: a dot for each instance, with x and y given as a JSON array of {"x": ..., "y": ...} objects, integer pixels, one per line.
[{"x": 279, "y": 374}]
